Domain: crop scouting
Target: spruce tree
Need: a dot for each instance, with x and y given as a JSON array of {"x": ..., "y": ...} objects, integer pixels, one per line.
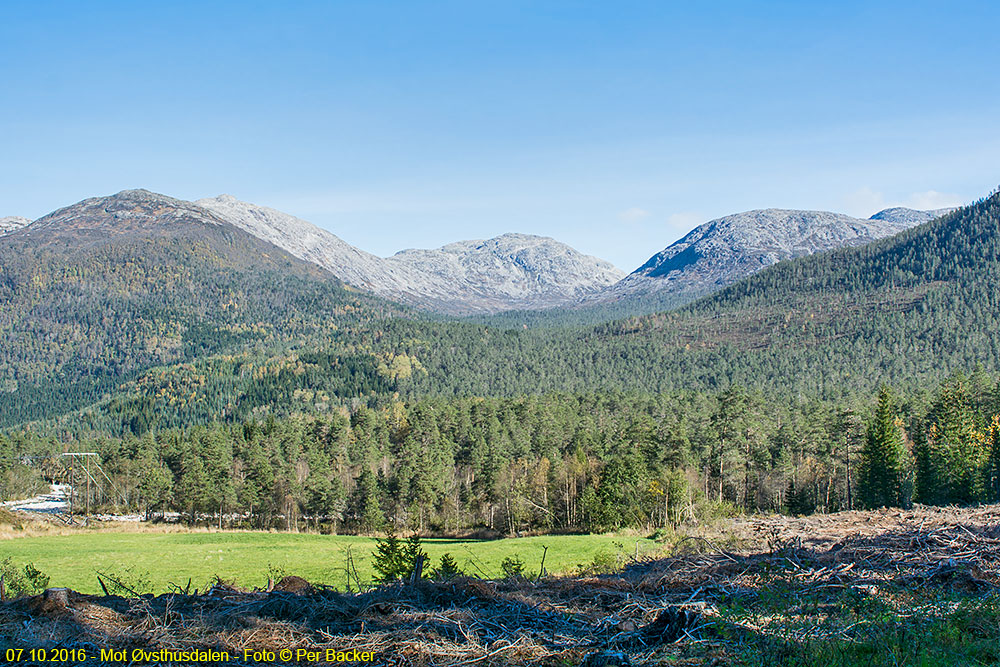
[
  {"x": 991, "y": 470},
  {"x": 884, "y": 460},
  {"x": 951, "y": 453},
  {"x": 364, "y": 507},
  {"x": 190, "y": 494},
  {"x": 449, "y": 568},
  {"x": 389, "y": 561}
]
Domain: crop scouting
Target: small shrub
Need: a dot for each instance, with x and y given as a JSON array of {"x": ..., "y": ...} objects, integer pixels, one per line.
[
  {"x": 512, "y": 566},
  {"x": 394, "y": 558},
  {"x": 275, "y": 573},
  {"x": 604, "y": 562},
  {"x": 663, "y": 535},
  {"x": 126, "y": 581},
  {"x": 18, "y": 581},
  {"x": 709, "y": 511},
  {"x": 449, "y": 568}
]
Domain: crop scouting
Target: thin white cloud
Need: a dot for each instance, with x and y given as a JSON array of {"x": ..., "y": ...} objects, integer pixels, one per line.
[
  {"x": 865, "y": 201},
  {"x": 633, "y": 214},
  {"x": 684, "y": 221},
  {"x": 933, "y": 199}
]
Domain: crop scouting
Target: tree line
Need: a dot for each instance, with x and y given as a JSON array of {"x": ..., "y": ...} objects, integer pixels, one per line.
[{"x": 559, "y": 462}]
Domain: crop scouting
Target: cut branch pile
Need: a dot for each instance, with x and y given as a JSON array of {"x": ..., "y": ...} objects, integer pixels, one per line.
[{"x": 652, "y": 608}]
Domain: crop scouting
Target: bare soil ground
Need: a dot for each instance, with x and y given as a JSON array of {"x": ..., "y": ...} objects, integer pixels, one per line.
[{"x": 792, "y": 580}]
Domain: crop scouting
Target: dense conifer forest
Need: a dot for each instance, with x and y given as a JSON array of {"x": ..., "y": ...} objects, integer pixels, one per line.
[{"x": 562, "y": 462}]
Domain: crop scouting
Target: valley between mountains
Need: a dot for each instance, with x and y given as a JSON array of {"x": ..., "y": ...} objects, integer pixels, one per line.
[{"x": 491, "y": 334}]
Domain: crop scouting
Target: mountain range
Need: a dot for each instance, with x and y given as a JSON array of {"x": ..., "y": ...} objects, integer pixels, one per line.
[
  {"x": 522, "y": 272},
  {"x": 139, "y": 310},
  {"x": 722, "y": 251},
  {"x": 512, "y": 271}
]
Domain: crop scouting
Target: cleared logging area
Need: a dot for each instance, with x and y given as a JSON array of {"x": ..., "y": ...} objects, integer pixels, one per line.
[{"x": 891, "y": 587}]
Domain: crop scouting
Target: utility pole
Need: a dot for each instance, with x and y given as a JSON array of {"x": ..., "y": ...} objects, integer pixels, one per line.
[
  {"x": 850, "y": 493},
  {"x": 86, "y": 467},
  {"x": 85, "y": 464}
]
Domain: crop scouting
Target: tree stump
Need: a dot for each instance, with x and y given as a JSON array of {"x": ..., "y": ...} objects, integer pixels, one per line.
[
  {"x": 56, "y": 597},
  {"x": 671, "y": 624}
]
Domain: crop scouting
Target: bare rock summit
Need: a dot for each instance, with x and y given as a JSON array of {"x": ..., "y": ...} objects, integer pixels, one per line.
[
  {"x": 12, "y": 223},
  {"x": 512, "y": 271},
  {"x": 722, "y": 251}
]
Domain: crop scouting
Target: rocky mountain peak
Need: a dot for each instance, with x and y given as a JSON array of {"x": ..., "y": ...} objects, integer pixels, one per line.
[
  {"x": 507, "y": 272},
  {"x": 724, "y": 250},
  {"x": 900, "y": 214},
  {"x": 125, "y": 212},
  {"x": 12, "y": 223}
]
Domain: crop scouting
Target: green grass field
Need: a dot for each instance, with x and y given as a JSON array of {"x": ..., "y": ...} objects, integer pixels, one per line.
[{"x": 246, "y": 557}]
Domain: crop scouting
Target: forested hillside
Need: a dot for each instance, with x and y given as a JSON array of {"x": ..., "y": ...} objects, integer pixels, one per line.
[
  {"x": 162, "y": 331},
  {"x": 906, "y": 310},
  {"x": 97, "y": 293},
  {"x": 898, "y": 310}
]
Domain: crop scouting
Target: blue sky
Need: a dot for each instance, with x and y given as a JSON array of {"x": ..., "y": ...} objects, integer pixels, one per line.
[{"x": 615, "y": 127}]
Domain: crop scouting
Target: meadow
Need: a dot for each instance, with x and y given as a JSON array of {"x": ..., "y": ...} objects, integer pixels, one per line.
[{"x": 156, "y": 561}]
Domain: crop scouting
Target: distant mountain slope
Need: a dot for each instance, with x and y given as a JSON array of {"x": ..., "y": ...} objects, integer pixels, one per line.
[
  {"x": 510, "y": 271},
  {"x": 12, "y": 223},
  {"x": 97, "y": 293},
  {"x": 513, "y": 271},
  {"x": 722, "y": 251},
  {"x": 903, "y": 310},
  {"x": 913, "y": 306},
  {"x": 306, "y": 241},
  {"x": 909, "y": 216},
  {"x": 138, "y": 311}
]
